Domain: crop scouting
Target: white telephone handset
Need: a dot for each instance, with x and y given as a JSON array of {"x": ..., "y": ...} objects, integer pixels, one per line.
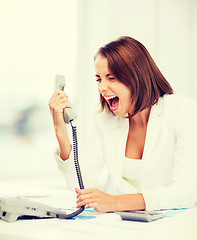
[{"x": 68, "y": 113}]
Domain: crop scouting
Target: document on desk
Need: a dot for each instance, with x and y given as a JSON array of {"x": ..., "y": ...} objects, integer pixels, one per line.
[{"x": 109, "y": 220}]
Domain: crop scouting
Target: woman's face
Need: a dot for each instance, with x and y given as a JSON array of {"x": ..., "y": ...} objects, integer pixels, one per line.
[{"x": 116, "y": 94}]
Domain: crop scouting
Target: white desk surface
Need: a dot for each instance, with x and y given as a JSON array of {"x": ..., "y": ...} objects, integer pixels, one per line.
[{"x": 182, "y": 226}]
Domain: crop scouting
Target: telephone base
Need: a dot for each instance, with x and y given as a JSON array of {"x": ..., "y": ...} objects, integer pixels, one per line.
[{"x": 12, "y": 208}]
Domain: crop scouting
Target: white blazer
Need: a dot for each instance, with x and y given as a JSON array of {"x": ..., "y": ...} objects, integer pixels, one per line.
[{"x": 168, "y": 176}]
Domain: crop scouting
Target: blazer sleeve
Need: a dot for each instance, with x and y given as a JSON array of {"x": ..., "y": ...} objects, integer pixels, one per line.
[
  {"x": 182, "y": 192},
  {"x": 91, "y": 163}
]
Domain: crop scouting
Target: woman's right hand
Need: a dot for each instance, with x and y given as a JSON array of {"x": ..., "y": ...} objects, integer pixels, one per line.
[{"x": 57, "y": 103}]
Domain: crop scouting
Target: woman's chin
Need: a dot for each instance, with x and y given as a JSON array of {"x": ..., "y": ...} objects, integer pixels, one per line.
[{"x": 120, "y": 113}]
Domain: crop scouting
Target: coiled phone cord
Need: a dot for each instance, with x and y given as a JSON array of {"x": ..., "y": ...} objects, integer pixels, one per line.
[
  {"x": 78, "y": 171},
  {"x": 75, "y": 151}
]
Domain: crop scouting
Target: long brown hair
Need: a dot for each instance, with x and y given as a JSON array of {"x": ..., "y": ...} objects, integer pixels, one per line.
[{"x": 130, "y": 62}]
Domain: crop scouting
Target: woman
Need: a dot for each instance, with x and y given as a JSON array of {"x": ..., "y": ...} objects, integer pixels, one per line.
[{"x": 142, "y": 153}]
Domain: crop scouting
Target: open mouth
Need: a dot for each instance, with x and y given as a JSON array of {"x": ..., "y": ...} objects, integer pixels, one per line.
[{"x": 113, "y": 102}]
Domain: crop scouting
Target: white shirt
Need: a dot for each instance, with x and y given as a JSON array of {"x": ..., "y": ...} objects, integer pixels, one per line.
[{"x": 131, "y": 171}]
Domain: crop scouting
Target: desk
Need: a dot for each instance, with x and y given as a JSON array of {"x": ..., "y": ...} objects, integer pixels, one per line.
[{"x": 182, "y": 226}]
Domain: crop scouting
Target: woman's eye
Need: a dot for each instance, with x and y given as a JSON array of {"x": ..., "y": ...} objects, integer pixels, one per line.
[
  {"x": 111, "y": 78},
  {"x": 98, "y": 80}
]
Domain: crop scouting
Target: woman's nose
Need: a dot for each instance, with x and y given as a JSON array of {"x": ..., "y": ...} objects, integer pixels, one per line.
[{"x": 103, "y": 86}]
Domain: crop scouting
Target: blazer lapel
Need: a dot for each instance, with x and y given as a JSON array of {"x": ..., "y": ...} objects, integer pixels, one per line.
[
  {"x": 121, "y": 139},
  {"x": 153, "y": 128}
]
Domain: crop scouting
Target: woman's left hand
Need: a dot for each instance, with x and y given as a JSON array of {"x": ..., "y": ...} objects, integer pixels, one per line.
[{"x": 94, "y": 198}]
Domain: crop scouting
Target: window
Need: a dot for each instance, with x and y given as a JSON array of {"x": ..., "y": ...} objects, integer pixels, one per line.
[{"x": 38, "y": 41}]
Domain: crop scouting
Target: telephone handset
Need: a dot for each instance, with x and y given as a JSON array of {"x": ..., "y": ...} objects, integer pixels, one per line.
[
  {"x": 12, "y": 208},
  {"x": 68, "y": 113}
]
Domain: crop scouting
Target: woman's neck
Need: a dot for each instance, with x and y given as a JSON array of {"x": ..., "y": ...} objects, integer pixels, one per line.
[{"x": 141, "y": 118}]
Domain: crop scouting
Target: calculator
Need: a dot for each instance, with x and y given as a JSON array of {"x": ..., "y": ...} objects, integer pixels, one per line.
[{"x": 141, "y": 216}]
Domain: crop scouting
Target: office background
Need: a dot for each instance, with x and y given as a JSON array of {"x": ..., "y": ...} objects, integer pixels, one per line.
[{"x": 41, "y": 38}]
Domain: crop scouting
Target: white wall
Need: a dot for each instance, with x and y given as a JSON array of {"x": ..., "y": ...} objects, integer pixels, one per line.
[{"x": 38, "y": 41}]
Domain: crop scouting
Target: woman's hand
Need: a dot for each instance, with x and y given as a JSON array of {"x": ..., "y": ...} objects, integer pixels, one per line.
[
  {"x": 94, "y": 198},
  {"x": 57, "y": 103},
  {"x": 103, "y": 202}
]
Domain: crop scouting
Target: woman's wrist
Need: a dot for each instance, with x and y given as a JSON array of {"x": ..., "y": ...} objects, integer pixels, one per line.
[
  {"x": 60, "y": 131},
  {"x": 129, "y": 202},
  {"x": 64, "y": 143}
]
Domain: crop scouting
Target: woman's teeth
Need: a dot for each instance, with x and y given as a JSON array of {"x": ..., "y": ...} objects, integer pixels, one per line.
[{"x": 111, "y": 97}]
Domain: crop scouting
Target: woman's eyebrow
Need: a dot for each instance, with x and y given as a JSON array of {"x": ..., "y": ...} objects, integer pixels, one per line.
[{"x": 107, "y": 75}]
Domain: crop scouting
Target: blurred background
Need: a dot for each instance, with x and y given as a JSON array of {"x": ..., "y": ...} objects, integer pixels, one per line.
[{"x": 42, "y": 38}]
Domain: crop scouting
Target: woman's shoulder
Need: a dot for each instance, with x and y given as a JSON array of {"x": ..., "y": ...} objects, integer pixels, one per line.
[
  {"x": 176, "y": 105},
  {"x": 107, "y": 119},
  {"x": 177, "y": 100}
]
